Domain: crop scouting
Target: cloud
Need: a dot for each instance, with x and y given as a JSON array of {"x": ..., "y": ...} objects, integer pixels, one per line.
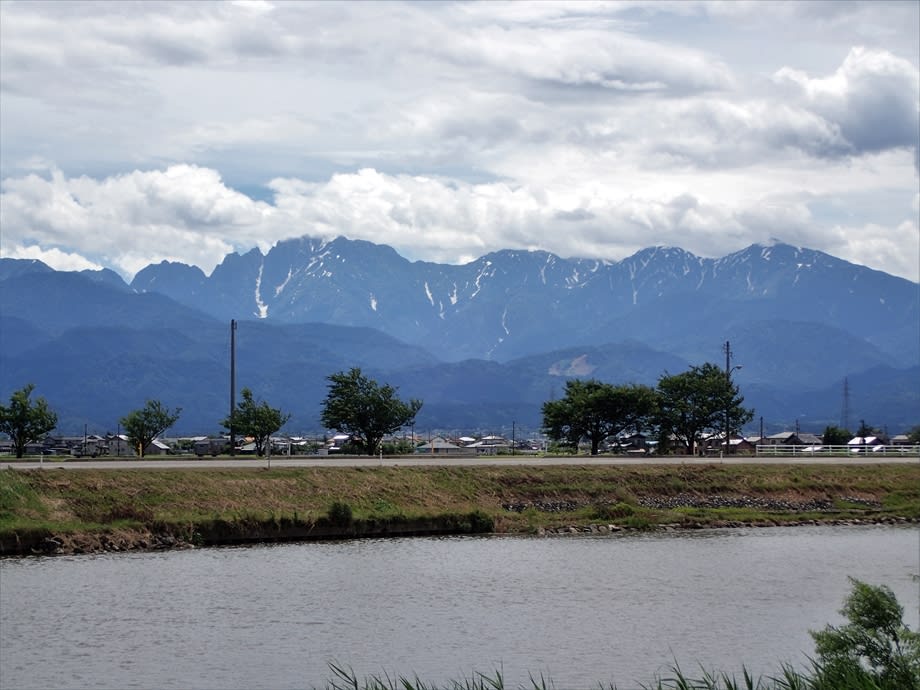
[
  {"x": 187, "y": 213},
  {"x": 579, "y": 57},
  {"x": 127, "y": 221},
  {"x": 55, "y": 258},
  {"x": 872, "y": 98}
]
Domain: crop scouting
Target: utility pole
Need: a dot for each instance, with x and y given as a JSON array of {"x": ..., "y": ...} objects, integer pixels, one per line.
[
  {"x": 232, "y": 384},
  {"x": 727, "y": 348}
]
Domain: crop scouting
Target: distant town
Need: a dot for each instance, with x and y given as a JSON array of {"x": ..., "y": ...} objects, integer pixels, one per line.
[{"x": 442, "y": 444}]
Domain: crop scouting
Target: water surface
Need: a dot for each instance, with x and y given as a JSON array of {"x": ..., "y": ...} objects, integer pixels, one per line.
[{"x": 580, "y": 610}]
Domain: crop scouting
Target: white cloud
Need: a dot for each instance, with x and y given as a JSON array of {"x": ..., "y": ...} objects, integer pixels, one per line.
[
  {"x": 894, "y": 250},
  {"x": 873, "y": 98},
  {"x": 55, "y": 258},
  {"x": 182, "y": 213},
  {"x": 186, "y": 213}
]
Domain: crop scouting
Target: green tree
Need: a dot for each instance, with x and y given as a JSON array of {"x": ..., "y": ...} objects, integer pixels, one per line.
[
  {"x": 914, "y": 435},
  {"x": 595, "y": 410},
  {"x": 255, "y": 419},
  {"x": 360, "y": 407},
  {"x": 835, "y": 436},
  {"x": 144, "y": 425},
  {"x": 866, "y": 430},
  {"x": 874, "y": 649},
  {"x": 698, "y": 401},
  {"x": 25, "y": 420}
]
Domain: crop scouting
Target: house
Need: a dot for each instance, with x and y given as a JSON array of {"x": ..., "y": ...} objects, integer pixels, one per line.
[
  {"x": 489, "y": 445},
  {"x": 440, "y": 446},
  {"x": 635, "y": 444},
  {"x": 157, "y": 447},
  {"x": 865, "y": 444},
  {"x": 336, "y": 443},
  {"x": 119, "y": 446},
  {"x": 89, "y": 446},
  {"x": 741, "y": 446},
  {"x": 793, "y": 438}
]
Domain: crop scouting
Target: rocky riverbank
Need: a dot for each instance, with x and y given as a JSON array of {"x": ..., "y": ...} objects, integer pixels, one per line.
[{"x": 596, "y": 529}]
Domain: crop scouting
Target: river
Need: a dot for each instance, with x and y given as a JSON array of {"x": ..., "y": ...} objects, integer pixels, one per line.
[{"x": 578, "y": 610}]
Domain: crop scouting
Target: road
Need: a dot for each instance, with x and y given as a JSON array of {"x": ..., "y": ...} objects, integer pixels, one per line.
[{"x": 180, "y": 463}]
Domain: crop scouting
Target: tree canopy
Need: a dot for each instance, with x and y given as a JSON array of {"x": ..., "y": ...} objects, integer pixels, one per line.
[
  {"x": 700, "y": 400},
  {"x": 358, "y": 406},
  {"x": 255, "y": 419},
  {"x": 144, "y": 425},
  {"x": 835, "y": 436},
  {"x": 874, "y": 648},
  {"x": 595, "y": 410},
  {"x": 26, "y": 420}
]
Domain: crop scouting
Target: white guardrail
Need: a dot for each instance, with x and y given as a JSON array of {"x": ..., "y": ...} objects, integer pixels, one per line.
[{"x": 840, "y": 451}]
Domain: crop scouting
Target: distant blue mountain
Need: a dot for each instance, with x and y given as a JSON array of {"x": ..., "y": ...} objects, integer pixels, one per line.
[{"x": 483, "y": 344}]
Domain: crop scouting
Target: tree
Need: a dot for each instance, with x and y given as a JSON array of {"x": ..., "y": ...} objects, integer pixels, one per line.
[
  {"x": 835, "y": 436},
  {"x": 697, "y": 401},
  {"x": 595, "y": 410},
  {"x": 874, "y": 649},
  {"x": 144, "y": 425},
  {"x": 865, "y": 430},
  {"x": 913, "y": 436},
  {"x": 360, "y": 407},
  {"x": 255, "y": 419},
  {"x": 25, "y": 420}
]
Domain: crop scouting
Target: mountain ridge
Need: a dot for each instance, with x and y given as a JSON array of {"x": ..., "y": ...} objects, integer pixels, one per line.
[
  {"x": 484, "y": 342},
  {"x": 486, "y": 308}
]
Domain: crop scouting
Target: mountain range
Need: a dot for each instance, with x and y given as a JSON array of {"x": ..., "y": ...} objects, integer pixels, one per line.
[{"x": 483, "y": 344}]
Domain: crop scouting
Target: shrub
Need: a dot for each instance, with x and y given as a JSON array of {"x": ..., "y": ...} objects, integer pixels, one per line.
[
  {"x": 611, "y": 511},
  {"x": 637, "y": 522},
  {"x": 340, "y": 514},
  {"x": 481, "y": 523}
]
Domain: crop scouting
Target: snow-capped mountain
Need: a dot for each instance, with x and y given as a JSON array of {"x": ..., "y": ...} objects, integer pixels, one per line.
[{"x": 514, "y": 303}]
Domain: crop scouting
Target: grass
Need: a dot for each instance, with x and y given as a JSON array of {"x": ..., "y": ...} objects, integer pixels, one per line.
[
  {"x": 788, "y": 678},
  {"x": 98, "y": 500}
]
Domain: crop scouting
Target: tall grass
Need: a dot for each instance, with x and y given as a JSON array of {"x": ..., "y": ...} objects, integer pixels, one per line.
[{"x": 345, "y": 678}]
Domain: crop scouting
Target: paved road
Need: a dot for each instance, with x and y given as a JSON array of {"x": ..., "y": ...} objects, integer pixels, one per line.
[{"x": 458, "y": 461}]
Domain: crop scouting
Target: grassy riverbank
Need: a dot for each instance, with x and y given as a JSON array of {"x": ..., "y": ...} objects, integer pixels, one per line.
[{"x": 94, "y": 509}]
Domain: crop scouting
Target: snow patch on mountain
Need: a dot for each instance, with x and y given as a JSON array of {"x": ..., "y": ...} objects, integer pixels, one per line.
[
  {"x": 280, "y": 288},
  {"x": 262, "y": 313}
]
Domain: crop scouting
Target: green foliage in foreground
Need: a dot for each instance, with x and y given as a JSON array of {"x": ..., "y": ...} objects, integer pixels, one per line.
[
  {"x": 875, "y": 650},
  {"x": 874, "y": 647}
]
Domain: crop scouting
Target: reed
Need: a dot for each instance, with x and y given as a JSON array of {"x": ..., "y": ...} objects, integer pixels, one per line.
[{"x": 788, "y": 678}]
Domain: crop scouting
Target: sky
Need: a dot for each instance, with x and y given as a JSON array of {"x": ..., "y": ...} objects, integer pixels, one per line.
[{"x": 132, "y": 133}]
